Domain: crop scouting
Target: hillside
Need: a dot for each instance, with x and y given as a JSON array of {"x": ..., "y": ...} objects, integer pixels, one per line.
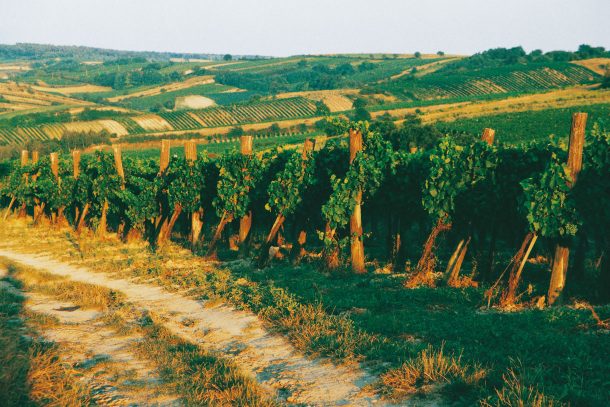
[{"x": 145, "y": 94}]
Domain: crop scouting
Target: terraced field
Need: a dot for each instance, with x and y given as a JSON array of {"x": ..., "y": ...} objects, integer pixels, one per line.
[
  {"x": 260, "y": 112},
  {"x": 512, "y": 79}
]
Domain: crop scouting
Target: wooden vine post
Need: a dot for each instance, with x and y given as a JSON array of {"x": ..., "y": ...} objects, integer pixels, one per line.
[
  {"x": 355, "y": 221},
  {"x": 245, "y": 223},
  {"x": 79, "y": 217},
  {"x": 164, "y": 157},
  {"x": 562, "y": 251},
  {"x": 308, "y": 147},
  {"x": 457, "y": 259},
  {"x": 54, "y": 158},
  {"x": 190, "y": 152},
  {"x": 167, "y": 224},
  {"x": 24, "y": 162},
  {"x": 298, "y": 250},
  {"x": 38, "y": 206}
]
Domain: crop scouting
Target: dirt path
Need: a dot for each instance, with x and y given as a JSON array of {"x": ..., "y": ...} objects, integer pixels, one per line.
[
  {"x": 239, "y": 335},
  {"x": 106, "y": 362},
  {"x": 116, "y": 375}
]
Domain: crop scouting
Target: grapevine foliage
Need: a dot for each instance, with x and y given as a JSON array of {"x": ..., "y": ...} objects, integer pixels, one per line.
[
  {"x": 455, "y": 169},
  {"x": 365, "y": 173},
  {"x": 550, "y": 209},
  {"x": 237, "y": 175},
  {"x": 184, "y": 181},
  {"x": 287, "y": 190}
]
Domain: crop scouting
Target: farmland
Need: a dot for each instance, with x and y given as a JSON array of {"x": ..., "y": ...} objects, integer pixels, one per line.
[{"x": 346, "y": 229}]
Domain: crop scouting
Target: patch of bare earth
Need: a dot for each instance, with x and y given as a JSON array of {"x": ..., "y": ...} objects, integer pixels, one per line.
[
  {"x": 238, "y": 335},
  {"x": 110, "y": 368},
  {"x": 193, "y": 102}
]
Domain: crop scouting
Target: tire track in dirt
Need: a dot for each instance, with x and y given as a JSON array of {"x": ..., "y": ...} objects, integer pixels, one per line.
[
  {"x": 104, "y": 359},
  {"x": 238, "y": 335}
]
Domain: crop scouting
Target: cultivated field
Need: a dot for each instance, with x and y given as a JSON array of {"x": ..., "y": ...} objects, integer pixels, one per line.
[{"x": 316, "y": 230}]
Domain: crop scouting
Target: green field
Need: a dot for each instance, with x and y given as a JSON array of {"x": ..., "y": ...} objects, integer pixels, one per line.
[{"x": 523, "y": 127}]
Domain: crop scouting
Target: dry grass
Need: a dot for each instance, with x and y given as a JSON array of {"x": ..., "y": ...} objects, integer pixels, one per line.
[
  {"x": 515, "y": 393},
  {"x": 577, "y": 96},
  {"x": 597, "y": 65},
  {"x": 170, "y": 87},
  {"x": 84, "y": 295},
  {"x": 51, "y": 382},
  {"x": 431, "y": 367},
  {"x": 336, "y": 100},
  {"x": 24, "y": 97},
  {"x": 199, "y": 376},
  {"x": 152, "y": 122},
  {"x": 69, "y": 90},
  {"x": 193, "y": 102},
  {"x": 31, "y": 372}
]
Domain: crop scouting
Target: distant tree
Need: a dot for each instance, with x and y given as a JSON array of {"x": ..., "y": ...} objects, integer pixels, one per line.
[
  {"x": 366, "y": 66},
  {"x": 236, "y": 132},
  {"x": 275, "y": 128},
  {"x": 440, "y": 53},
  {"x": 360, "y": 113},
  {"x": 417, "y": 54},
  {"x": 228, "y": 57},
  {"x": 322, "y": 109},
  {"x": 606, "y": 81},
  {"x": 359, "y": 103},
  {"x": 302, "y": 63},
  {"x": 169, "y": 104}
]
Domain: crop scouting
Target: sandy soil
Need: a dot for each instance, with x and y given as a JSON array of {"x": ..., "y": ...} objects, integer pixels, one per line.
[
  {"x": 336, "y": 100},
  {"x": 116, "y": 375},
  {"x": 239, "y": 335},
  {"x": 193, "y": 102}
]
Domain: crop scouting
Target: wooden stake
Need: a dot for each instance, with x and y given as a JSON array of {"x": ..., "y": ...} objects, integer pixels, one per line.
[
  {"x": 164, "y": 158},
  {"x": 488, "y": 136},
  {"x": 24, "y": 158},
  {"x": 514, "y": 278},
  {"x": 54, "y": 165},
  {"x": 24, "y": 162},
  {"x": 226, "y": 218},
  {"x": 562, "y": 251},
  {"x": 76, "y": 174},
  {"x": 76, "y": 163},
  {"x": 298, "y": 250},
  {"x": 190, "y": 153},
  {"x": 118, "y": 162},
  {"x": 355, "y": 221},
  {"x": 190, "y": 150},
  {"x": 37, "y": 206},
  {"x": 245, "y": 223}
]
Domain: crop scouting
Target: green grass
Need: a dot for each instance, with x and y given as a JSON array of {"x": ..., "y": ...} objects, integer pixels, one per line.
[
  {"x": 557, "y": 353},
  {"x": 145, "y": 103},
  {"x": 528, "y": 126}
]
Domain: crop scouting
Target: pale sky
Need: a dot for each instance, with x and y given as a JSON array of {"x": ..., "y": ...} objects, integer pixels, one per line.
[{"x": 289, "y": 27}]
